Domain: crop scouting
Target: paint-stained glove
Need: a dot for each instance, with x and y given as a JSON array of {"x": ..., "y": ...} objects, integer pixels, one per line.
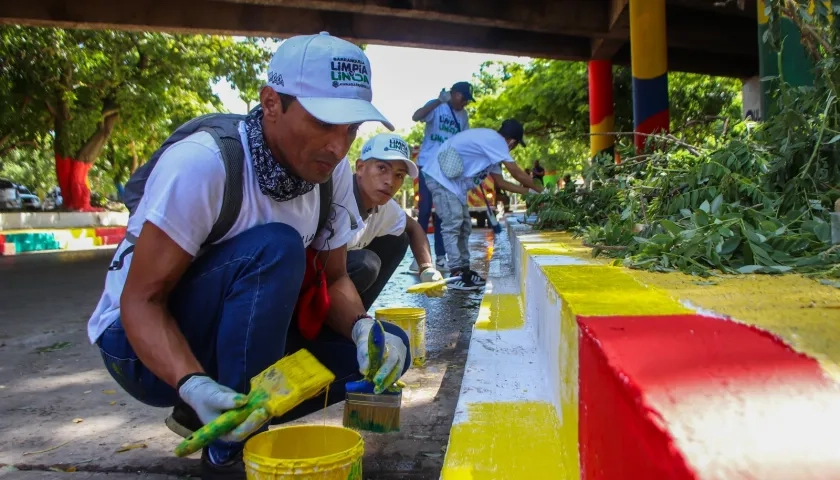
[
  {"x": 209, "y": 400},
  {"x": 444, "y": 96},
  {"x": 393, "y": 359}
]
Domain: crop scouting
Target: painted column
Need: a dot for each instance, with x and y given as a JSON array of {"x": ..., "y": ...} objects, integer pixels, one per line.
[
  {"x": 601, "y": 108},
  {"x": 649, "y": 62},
  {"x": 797, "y": 68}
]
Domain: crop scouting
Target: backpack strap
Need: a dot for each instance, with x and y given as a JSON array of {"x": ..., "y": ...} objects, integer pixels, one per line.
[
  {"x": 325, "y": 191},
  {"x": 233, "y": 157}
]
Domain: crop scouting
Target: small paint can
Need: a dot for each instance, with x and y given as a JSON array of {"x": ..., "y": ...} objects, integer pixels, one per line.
[
  {"x": 413, "y": 322},
  {"x": 305, "y": 452}
]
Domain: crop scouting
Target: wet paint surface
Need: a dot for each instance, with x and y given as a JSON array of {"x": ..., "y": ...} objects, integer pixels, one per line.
[
  {"x": 500, "y": 312},
  {"x": 506, "y": 440},
  {"x": 604, "y": 290},
  {"x": 727, "y": 399},
  {"x": 800, "y": 311}
]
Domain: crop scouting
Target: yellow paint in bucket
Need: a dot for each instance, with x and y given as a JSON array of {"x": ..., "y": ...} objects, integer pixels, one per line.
[
  {"x": 413, "y": 322},
  {"x": 305, "y": 452}
]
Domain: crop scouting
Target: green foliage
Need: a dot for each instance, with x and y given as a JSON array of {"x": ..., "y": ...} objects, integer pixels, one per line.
[
  {"x": 122, "y": 92},
  {"x": 755, "y": 200},
  {"x": 551, "y": 99}
]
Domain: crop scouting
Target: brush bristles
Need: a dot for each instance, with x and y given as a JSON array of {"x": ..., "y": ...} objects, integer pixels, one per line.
[
  {"x": 372, "y": 419},
  {"x": 373, "y": 413}
]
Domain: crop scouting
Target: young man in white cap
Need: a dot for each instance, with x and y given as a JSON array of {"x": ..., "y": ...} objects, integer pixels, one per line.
[
  {"x": 463, "y": 162},
  {"x": 180, "y": 329},
  {"x": 376, "y": 250},
  {"x": 444, "y": 116}
]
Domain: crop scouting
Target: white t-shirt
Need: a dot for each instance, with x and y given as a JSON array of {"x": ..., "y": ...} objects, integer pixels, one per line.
[
  {"x": 389, "y": 219},
  {"x": 482, "y": 150},
  {"x": 183, "y": 197},
  {"x": 440, "y": 125}
]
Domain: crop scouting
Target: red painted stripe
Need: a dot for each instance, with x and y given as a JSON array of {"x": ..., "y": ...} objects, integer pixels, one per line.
[
  {"x": 638, "y": 375},
  {"x": 106, "y": 231},
  {"x": 601, "y": 103},
  {"x": 657, "y": 123}
]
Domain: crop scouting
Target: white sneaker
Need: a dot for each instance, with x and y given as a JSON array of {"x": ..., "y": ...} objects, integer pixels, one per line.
[{"x": 414, "y": 268}]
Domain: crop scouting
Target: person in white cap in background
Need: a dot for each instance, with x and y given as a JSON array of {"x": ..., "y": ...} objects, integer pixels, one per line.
[
  {"x": 462, "y": 163},
  {"x": 376, "y": 250},
  {"x": 444, "y": 116},
  {"x": 180, "y": 329}
]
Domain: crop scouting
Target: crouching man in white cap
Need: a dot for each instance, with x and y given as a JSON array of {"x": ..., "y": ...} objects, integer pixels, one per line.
[
  {"x": 376, "y": 250},
  {"x": 186, "y": 330}
]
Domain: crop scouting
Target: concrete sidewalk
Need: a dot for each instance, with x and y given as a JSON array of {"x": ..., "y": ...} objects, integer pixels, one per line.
[
  {"x": 60, "y": 409},
  {"x": 9, "y": 473}
]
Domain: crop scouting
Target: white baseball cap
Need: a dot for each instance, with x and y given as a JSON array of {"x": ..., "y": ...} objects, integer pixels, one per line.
[
  {"x": 330, "y": 77},
  {"x": 389, "y": 147}
]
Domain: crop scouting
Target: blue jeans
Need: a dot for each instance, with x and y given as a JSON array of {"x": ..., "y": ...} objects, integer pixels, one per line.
[
  {"x": 424, "y": 211},
  {"x": 234, "y": 306}
]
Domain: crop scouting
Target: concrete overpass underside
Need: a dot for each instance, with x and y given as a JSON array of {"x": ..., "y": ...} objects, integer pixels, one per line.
[{"x": 713, "y": 37}]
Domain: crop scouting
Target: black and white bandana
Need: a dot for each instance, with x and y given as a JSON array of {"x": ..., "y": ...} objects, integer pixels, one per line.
[{"x": 275, "y": 181}]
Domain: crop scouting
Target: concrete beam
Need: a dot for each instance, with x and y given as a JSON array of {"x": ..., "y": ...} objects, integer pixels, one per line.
[
  {"x": 692, "y": 61},
  {"x": 567, "y": 17},
  {"x": 195, "y": 16},
  {"x": 618, "y": 23}
]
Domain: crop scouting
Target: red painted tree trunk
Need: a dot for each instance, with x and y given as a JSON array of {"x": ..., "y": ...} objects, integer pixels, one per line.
[{"x": 72, "y": 179}]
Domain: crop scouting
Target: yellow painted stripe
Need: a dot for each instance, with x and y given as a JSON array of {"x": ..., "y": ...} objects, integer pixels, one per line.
[
  {"x": 500, "y": 311},
  {"x": 504, "y": 440},
  {"x": 555, "y": 243},
  {"x": 592, "y": 290},
  {"x": 800, "y": 311},
  {"x": 568, "y": 360},
  {"x": 599, "y": 143},
  {"x": 648, "y": 41}
]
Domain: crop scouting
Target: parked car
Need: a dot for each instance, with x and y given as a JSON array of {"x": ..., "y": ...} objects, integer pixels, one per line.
[
  {"x": 9, "y": 196},
  {"x": 29, "y": 201},
  {"x": 53, "y": 200}
]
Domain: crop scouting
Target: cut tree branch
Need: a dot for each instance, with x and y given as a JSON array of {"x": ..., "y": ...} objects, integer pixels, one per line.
[{"x": 667, "y": 137}]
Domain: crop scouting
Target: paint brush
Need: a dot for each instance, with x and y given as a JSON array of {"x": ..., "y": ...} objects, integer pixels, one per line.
[
  {"x": 277, "y": 389},
  {"x": 432, "y": 289},
  {"x": 366, "y": 410}
]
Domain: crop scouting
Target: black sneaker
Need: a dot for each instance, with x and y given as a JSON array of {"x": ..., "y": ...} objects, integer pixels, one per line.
[
  {"x": 232, "y": 470},
  {"x": 464, "y": 283},
  {"x": 183, "y": 420},
  {"x": 476, "y": 278}
]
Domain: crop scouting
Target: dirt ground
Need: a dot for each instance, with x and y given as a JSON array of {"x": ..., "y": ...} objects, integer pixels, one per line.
[{"x": 60, "y": 410}]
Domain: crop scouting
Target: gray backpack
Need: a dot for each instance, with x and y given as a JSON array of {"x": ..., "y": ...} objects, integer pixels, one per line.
[{"x": 224, "y": 128}]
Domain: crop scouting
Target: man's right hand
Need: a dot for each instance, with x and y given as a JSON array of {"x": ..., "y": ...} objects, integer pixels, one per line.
[
  {"x": 444, "y": 96},
  {"x": 210, "y": 399}
]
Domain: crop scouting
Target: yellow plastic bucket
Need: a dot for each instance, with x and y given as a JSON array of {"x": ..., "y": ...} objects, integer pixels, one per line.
[
  {"x": 413, "y": 322},
  {"x": 305, "y": 452}
]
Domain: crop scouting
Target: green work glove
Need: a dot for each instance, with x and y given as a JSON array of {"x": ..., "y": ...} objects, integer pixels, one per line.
[
  {"x": 210, "y": 399},
  {"x": 393, "y": 359}
]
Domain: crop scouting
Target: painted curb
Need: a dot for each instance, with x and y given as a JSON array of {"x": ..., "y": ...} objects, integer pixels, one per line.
[
  {"x": 578, "y": 369},
  {"x": 17, "y": 242}
]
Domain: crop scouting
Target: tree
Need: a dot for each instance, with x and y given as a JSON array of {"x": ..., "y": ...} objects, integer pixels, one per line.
[
  {"x": 80, "y": 87},
  {"x": 551, "y": 99}
]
